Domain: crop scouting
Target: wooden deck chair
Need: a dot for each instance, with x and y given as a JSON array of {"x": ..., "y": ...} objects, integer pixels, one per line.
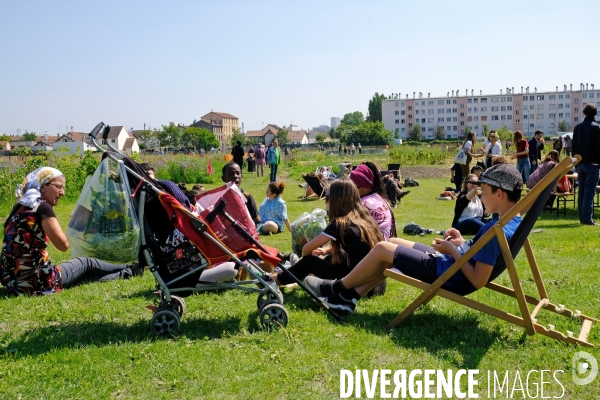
[
  {"x": 532, "y": 203},
  {"x": 316, "y": 185},
  {"x": 394, "y": 167}
]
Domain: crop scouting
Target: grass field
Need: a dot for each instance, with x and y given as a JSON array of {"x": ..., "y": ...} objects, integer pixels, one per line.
[{"x": 94, "y": 341}]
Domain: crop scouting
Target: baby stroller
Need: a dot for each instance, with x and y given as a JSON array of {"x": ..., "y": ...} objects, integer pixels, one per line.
[{"x": 178, "y": 268}]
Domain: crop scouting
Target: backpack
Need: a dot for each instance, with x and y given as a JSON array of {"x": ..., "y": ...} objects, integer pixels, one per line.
[
  {"x": 564, "y": 185},
  {"x": 259, "y": 153}
]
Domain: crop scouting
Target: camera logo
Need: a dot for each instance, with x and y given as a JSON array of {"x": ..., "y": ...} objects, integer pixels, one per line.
[{"x": 585, "y": 368}]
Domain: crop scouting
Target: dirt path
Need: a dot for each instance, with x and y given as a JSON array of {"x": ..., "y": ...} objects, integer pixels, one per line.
[{"x": 428, "y": 171}]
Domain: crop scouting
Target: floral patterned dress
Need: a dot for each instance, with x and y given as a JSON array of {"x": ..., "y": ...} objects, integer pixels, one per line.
[{"x": 381, "y": 213}]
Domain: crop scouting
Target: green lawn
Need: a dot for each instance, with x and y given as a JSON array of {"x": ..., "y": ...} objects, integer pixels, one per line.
[{"x": 94, "y": 341}]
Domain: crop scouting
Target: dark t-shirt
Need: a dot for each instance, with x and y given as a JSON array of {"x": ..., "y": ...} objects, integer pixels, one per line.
[
  {"x": 251, "y": 206},
  {"x": 521, "y": 146},
  {"x": 45, "y": 210},
  {"x": 355, "y": 248}
]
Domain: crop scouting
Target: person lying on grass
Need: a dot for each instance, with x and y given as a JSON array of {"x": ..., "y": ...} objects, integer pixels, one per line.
[
  {"x": 24, "y": 264},
  {"x": 501, "y": 187}
]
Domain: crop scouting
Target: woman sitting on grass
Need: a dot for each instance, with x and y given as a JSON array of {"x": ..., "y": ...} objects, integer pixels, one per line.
[
  {"x": 273, "y": 211},
  {"x": 501, "y": 187},
  {"x": 352, "y": 233},
  {"x": 469, "y": 210},
  {"x": 32, "y": 223}
]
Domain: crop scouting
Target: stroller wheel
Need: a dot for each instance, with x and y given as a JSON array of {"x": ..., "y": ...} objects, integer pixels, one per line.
[
  {"x": 269, "y": 298},
  {"x": 178, "y": 305},
  {"x": 274, "y": 316},
  {"x": 164, "y": 322}
]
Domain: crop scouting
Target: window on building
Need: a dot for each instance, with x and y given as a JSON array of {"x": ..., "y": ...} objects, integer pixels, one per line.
[
  {"x": 430, "y": 102},
  {"x": 462, "y": 123},
  {"x": 516, "y": 112},
  {"x": 540, "y": 106},
  {"x": 484, "y": 99},
  {"x": 531, "y": 116},
  {"x": 448, "y": 101},
  {"x": 402, "y": 130},
  {"x": 584, "y": 95},
  {"x": 469, "y": 118},
  {"x": 509, "y": 98},
  {"x": 502, "y": 108},
  {"x": 494, "y": 99},
  {"x": 494, "y": 108},
  {"x": 397, "y": 121},
  {"x": 508, "y": 108},
  {"x": 531, "y": 98},
  {"x": 560, "y": 96},
  {"x": 455, "y": 110},
  {"x": 540, "y": 97},
  {"x": 551, "y": 97},
  {"x": 423, "y": 103},
  {"x": 430, "y": 120},
  {"x": 476, "y": 118},
  {"x": 417, "y": 112},
  {"x": 453, "y": 101},
  {"x": 410, "y": 116},
  {"x": 517, "y": 103},
  {"x": 576, "y": 119},
  {"x": 525, "y": 116},
  {"x": 551, "y": 125},
  {"x": 567, "y": 105},
  {"x": 552, "y": 115},
  {"x": 440, "y": 102},
  {"x": 475, "y": 101},
  {"x": 430, "y": 111},
  {"x": 474, "y": 109},
  {"x": 462, "y": 105},
  {"x": 525, "y": 98},
  {"x": 401, "y": 104},
  {"x": 591, "y": 95},
  {"x": 430, "y": 129},
  {"x": 560, "y": 105},
  {"x": 509, "y": 117},
  {"x": 575, "y": 101},
  {"x": 397, "y": 104},
  {"x": 552, "y": 107},
  {"x": 503, "y": 99},
  {"x": 469, "y": 109},
  {"x": 576, "y": 109},
  {"x": 422, "y": 120},
  {"x": 469, "y": 101},
  {"x": 440, "y": 110},
  {"x": 423, "y": 128},
  {"x": 441, "y": 119},
  {"x": 448, "y": 119},
  {"x": 397, "y": 112},
  {"x": 454, "y": 128},
  {"x": 448, "y": 110},
  {"x": 402, "y": 121},
  {"x": 410, "y": 125},
  {"x": 409, "y": 108},
  {"x": 567, "y": 96},
  {"x": 448, "y": 128},
  {"x": 462, "y": 114},
  {"x": 503, "y": 117},
  {"x": 531, "y": 107},
  {"x": 560, "y": 115},
  {"x": 483, "y": 109},
  {"x": 494, "y": 118},
  {"x": 540, "y": 116},
  {"x": 454, "y": 119},
  {"x": 402, "y": 112}
]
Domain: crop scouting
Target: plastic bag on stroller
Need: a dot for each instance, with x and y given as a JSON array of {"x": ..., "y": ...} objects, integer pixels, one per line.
[
  {"x": 307, "y": 227},
  {"x": 104, "y": 224}
]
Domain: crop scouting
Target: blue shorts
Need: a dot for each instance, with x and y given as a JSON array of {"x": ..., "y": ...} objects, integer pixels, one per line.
[{"x": 416, "y": 262}]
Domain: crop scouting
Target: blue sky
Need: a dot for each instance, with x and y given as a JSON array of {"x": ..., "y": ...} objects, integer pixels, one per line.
[{"x": 76, "y": 63}]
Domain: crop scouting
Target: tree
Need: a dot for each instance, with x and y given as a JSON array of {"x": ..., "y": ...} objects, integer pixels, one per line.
[
  {"x": 397, "y": 133},
  {"x": 29, "y": 137},
  {"x": 5, "y": 138},
  {"x": 367, "y": 133},
  {"x": 320, "y": 138},
  {"x": 563, "y": 126},
  {"x": 169, "y": 136},
  {"x": 505, "y": 133},
  {"x": 237, "y": 135},
  {"x": 439, "y": 133},
  {"x": 415, "y": 132},
  {"x": 333, "y": 134},
  {"x": 353, "y": 119},
  {"x": 486, "y": 130},
  {"x": 375, "y": 107},
  {"x": 147, "y": 136},
  {"x": 282, "y": 137},
  {"x": 199, "y": 138},
  {"x": 467, "y": 130}
]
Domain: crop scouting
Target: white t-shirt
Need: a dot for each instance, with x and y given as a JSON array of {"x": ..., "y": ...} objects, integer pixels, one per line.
[
  {"x": 474, "y": 209},
  {"x": 496, "y": 149},
  {"x": 467, "y": 146}
]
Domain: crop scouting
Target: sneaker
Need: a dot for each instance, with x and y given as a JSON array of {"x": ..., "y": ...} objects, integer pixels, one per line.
[
  {"x": 338, "y": 302},
  {"x": 401, "y": 195},
  {"x": 321, "y": 287},
  {"x": 136, "y": 270},
  {"x": 293, "y": 259}
]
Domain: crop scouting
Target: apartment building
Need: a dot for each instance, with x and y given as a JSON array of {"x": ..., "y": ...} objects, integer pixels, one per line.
[{"x": 527, "y": 111}]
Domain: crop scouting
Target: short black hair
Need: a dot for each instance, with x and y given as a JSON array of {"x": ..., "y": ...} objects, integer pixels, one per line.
[
  {"x": 590, "y": 110},
  {"x": 239, "y": 143},
  {"x": 512, "y": 195},
  {"x": 226, "y": 166},
  {"x": 147, "y": 167}
]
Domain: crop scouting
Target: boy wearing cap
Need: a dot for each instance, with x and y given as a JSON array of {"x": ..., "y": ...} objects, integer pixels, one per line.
[{"x": 501, "y": 187}]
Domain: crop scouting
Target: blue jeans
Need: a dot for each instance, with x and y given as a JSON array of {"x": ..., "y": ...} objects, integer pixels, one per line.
[
  {"x": 469, "y": 226},
  {"x": 533, "y": 166},
  {"x": 588, "y": 180},
  {"x": 274, "y": 172},
  {"x": 523, "y": 166}
]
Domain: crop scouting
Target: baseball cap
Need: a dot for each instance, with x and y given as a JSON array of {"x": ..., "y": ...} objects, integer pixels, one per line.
[{"x": 503, "y": 176}]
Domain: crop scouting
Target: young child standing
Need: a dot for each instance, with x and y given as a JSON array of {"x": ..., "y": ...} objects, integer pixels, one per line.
[
  {"x": 352, "y": 233},
  {"x": 501, "y": 187}
]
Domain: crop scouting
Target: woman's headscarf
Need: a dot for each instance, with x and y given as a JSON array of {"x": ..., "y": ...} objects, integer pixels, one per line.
[
  {"x": 363, "y": 176},
  {"x": 28, "y": 192}
]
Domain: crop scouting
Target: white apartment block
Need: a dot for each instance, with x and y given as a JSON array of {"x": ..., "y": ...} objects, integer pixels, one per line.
[{"x": 525, "y": 111}]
